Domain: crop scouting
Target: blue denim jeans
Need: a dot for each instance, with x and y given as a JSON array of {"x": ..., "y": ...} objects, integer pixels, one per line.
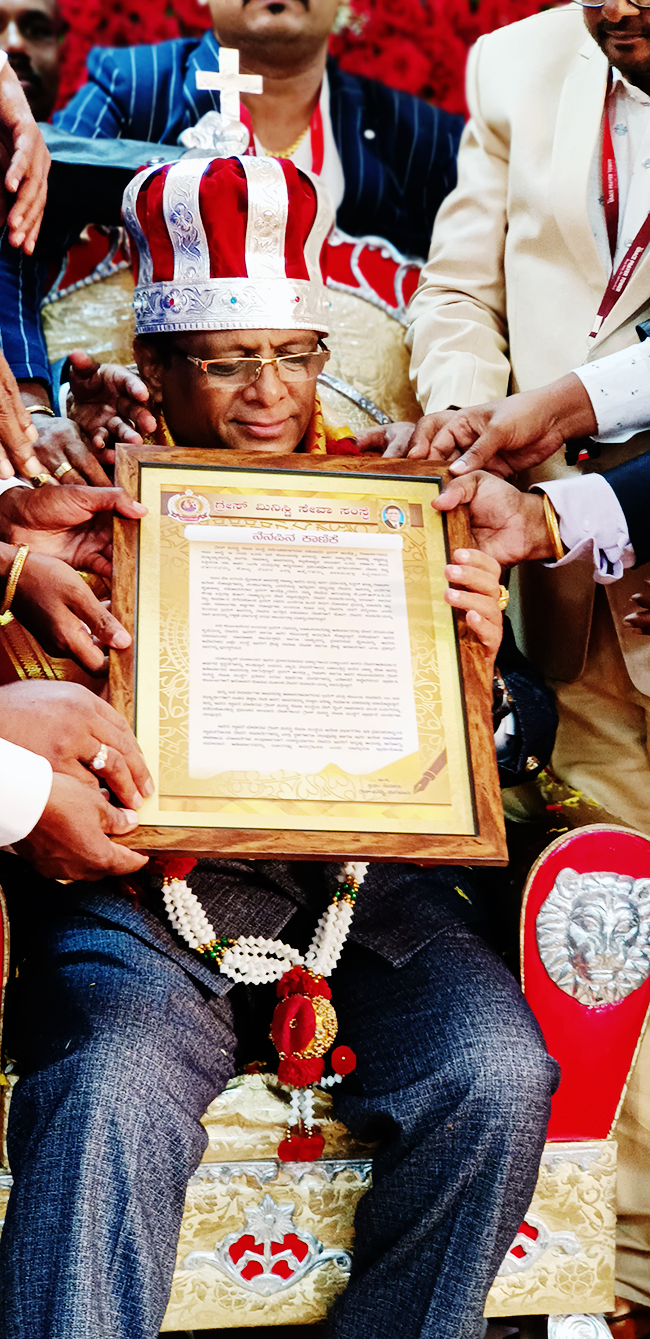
[{"x": 121, "y": 1050}]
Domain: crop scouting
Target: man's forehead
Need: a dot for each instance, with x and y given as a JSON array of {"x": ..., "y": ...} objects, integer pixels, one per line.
[{"x": 251, "y": 340}]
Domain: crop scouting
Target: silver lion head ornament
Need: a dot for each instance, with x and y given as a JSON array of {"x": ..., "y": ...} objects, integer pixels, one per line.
[{"x": 593, "y": 935}]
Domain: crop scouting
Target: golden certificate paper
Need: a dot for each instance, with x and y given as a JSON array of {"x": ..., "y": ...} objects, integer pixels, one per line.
[{"x": 296, "y": 665}]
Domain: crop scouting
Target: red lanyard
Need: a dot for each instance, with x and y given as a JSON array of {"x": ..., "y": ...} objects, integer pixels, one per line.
[
  {"x": 620, "y": 278},
  {"x": 315, "y": 131}
]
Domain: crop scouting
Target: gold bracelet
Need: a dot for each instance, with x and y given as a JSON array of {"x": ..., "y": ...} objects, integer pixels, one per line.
[
  {"x": 12, "y": 581},
  {"x": 553, "y": 527},
  {"x": 40, "y": 409}
]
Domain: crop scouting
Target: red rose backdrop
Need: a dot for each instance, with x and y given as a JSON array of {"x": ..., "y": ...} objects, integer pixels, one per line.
[{"x": 418, "y": 46}]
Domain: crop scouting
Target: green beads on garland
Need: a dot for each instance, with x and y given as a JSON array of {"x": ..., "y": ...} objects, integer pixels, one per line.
[
  {"x": 216, "y": 948},
  {"x": 348, "y": 889}
]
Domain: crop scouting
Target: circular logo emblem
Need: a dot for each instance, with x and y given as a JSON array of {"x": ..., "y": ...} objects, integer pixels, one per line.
[{"x": 188, "y": 506}]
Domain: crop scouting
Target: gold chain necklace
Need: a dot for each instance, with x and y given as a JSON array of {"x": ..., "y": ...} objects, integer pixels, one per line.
[{"x": 288, "y": 153}]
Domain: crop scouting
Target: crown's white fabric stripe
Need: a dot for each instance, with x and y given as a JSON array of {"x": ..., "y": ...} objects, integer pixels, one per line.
[
  {"x": 268, "y": 210},
  {"x": 182, "y": 216},
  {"x": 129, "y": 214},
  {"x": 323, "y": 224}
]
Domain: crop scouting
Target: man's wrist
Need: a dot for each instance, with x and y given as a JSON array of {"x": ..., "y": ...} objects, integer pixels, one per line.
[
  {"x": 10, "y": 513},
  {"x": 572, "y": 408},
  {"x": 7, "y": 557},
  {"x": 34, "y": 395},
  {"x": 538, "y": 539}
]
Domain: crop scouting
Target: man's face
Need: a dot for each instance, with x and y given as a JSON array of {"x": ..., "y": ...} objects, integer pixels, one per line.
[
  {"x": 29, "y": 33},
  {"x": 203, "y": 411},
  {"x": 623, "y": 33},
  {"x": 276, "y": 29}
]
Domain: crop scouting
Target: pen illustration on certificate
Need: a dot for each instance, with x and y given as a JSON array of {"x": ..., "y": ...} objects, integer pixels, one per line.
[{"x": 304, "y": 653}]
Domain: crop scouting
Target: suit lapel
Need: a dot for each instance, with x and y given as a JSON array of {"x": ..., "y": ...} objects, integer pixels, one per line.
[
  {"x": 199, "y": 101},
  {"x": 577, "y": 134},
  {"x": 346, "y": 110}
]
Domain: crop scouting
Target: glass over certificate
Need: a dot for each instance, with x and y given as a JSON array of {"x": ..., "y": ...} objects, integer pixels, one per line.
[{"x": 297, "y": 670}]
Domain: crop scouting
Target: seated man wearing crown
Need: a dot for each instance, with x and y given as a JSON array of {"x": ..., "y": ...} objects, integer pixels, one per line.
[{"x": 129, "y": 1016}]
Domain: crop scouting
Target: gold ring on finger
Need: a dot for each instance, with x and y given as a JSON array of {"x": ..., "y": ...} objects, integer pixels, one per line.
[
  {"x": 63, "y": 468},
  {"x": 38, "y": 480},
  {"x": 100, "y": 759},
  {"x": 504, "y": 596}
]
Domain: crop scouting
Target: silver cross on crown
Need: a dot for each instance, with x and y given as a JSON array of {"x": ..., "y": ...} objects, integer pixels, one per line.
[{"x": 220, "y": 134}]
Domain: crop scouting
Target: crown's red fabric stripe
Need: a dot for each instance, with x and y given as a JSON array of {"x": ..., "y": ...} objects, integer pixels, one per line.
[
  {"x": 150, "y": 214},
  {"x": 302, "y": 213}
]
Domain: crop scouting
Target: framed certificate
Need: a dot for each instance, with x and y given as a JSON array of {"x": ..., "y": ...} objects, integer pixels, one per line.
[{"x": 297, "y": 683}]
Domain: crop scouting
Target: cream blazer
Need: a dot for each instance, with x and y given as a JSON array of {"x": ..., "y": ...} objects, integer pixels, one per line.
[{"x": 514, "y": 280}]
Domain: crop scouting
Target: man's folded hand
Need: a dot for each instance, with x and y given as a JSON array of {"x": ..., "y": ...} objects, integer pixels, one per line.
[
  {"x": 68, "y": 725},
  {"x": 25, "y": 162},
  {"x": 75, "y": 524},
  {"x": 60, "y": 445},
  {"x": 72, "y": 837},
  {"x": 110, "y": 403},
  {"x": 58, "y": 607}
]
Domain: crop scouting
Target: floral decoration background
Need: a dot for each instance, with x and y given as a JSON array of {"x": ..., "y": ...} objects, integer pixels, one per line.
[{"x": 418, "y": 46}]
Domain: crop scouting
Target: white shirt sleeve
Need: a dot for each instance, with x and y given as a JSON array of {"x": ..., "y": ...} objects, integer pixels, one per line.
[
  {"x": 25, "y": 785},
  {"x": 13, "y": 482},
  {"x": 592, "y": 525},
  {"x": 505, "y": 731},
  {"x": 619, "y": 389}
]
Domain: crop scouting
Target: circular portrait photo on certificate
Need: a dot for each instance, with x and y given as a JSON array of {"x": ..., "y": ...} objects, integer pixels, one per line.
[{"x": 392, "y": 516}]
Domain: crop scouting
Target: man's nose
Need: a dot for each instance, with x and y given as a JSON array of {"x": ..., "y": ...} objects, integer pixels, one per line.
[
  {"x": 613, "y": 11},
  {"x": 11, "y": 38},
  {"x": 268, "y": 388}
]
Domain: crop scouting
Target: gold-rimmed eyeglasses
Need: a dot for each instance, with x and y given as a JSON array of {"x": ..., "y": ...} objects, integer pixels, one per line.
[
  {"x": 234, "y": 373},
  {"x": 598, "y": 4}
]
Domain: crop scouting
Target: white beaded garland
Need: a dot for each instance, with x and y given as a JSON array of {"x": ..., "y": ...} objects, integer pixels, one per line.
[
  {"x": 294, "y": 1110},
  {"x": 330, "y": 1081},
  {"x": 307, "y": 1107},
  {"x": 252, "y": 959}
]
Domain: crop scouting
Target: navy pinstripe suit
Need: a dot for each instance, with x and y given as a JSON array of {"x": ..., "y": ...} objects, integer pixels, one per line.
[{"x": 398, "y": 155}]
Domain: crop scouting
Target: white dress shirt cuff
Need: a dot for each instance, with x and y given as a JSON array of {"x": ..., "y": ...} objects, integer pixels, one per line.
[
  {"x": 619, "y": 389},
  {"x": 592, "y": 525},
  {"x": 505, "y": 731},
  {"x": 13, "y": 482},
  {"x": 25, "y": 785}
]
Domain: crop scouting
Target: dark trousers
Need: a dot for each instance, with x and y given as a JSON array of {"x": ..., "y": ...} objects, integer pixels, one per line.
[{"x": 120, "y": 1052}]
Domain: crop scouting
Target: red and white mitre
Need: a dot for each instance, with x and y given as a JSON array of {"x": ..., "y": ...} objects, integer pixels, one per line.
[{"x": 228, "y": 244}]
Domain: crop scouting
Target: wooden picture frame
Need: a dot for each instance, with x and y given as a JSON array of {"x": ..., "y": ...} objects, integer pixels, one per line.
[{"x": 484, "y": 844}]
